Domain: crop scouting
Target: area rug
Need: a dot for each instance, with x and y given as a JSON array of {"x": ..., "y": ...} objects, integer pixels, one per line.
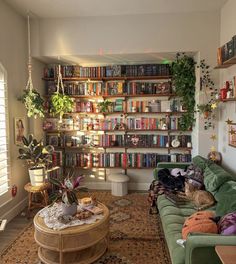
[{"x": 136, "y": 237}]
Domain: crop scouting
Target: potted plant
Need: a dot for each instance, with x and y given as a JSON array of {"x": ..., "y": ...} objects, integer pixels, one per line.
[
  {"x": 37, "y": 157},
  {"x": 204, "y": 109},
  {"x": 61, "y": 104},
  {"x": 105, "y": 106},
  {"x": 66, "y": 192},
  {"x": 33, "y": 103}
]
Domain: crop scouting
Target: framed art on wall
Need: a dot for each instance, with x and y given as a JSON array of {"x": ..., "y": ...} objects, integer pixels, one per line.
[
  {"x": 19, "y": 127},
  {"x": 232, "y": 135}
]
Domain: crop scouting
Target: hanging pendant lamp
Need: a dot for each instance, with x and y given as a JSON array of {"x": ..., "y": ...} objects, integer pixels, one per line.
[{"x": 31, "y": 98}]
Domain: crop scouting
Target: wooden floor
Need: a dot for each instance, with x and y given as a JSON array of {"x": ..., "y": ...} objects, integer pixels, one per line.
[{"x": 12, "y": 230}]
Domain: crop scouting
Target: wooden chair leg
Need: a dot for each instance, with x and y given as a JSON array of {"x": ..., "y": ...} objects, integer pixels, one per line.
[
  {"x": 30, "y": 197},
  {"x": 45, "y": 197}
]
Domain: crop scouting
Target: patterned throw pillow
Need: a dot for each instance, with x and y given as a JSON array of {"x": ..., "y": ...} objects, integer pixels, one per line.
[
  {"x": 227, "y": 224},
  {"x": 200, "y": 222}
]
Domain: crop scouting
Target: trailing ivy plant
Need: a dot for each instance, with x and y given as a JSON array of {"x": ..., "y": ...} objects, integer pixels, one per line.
[
  {"x": 207, "y": 85},
  {"x": 33, "y": 103},
  {"x": 61, "y": 104},
  {"x": 183, "y": 71}
]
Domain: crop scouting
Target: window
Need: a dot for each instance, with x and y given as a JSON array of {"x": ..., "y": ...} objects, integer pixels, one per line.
[{"x": 4, "y": 151}]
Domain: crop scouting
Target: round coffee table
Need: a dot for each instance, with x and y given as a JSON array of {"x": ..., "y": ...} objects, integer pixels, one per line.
[{"x": 78, "y": 245}]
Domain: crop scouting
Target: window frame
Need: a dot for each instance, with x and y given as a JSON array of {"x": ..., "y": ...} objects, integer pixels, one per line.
[{"x": 6, "y": 197}]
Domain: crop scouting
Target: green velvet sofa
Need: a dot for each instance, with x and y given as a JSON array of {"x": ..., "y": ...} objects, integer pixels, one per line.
[{"x": 199, "y": 247}]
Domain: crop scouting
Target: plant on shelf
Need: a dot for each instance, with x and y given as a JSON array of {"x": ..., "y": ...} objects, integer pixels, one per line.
[
  {"x": 61, "y": 104},
  {"x": 38, "y": 158},
  {"x": 67, "y": 190},
  {"x": 183, "y": 71},
  {"x": 207, "y": 86},
  {"x": 105, "y": 106}
]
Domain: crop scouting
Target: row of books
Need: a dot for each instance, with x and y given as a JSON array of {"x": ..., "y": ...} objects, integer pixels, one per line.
[
  {"x": 124, "y": 160},
  {"x": 51, "y": 71},
  {"x": 227, "y": 51},
  {"x": 112, "y": 123},
  {"x": 148, "y": 106},
  {"x": 106, "y": 140},
  {"x": 148, "y": 123},
  {"x": 110, "y": 88},
  {"x": 148, "y": 88}
]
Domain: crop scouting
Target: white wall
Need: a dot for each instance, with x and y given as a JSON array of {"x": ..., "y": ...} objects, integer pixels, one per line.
[
  {"x": 227, "y": 110},
  {"x": 13, "y": 56},
  {"x": 198, "y": 32}
]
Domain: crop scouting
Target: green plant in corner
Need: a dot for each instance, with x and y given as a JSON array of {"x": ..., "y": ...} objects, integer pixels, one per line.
[{"x": 183, "y": 71}]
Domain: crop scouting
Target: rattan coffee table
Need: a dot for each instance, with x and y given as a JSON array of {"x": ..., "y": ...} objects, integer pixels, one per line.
[{"x": 78, "y": 245}]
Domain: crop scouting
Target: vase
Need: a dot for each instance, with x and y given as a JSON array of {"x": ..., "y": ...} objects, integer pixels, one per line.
[
  {"x": 37, "y": 176},
  {"x": 69, "y": 209}
]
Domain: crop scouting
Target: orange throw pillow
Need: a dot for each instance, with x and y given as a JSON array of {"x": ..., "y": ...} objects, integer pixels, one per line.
[{"x": 199, "y": 222}]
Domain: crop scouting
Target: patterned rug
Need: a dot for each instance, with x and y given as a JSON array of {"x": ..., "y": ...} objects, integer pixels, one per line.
[{"x": 135, "y": 236}]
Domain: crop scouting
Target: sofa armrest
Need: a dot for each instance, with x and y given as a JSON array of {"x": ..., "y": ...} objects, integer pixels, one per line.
[
  {"x": 169, "y": 165},
  {"x": 200, "y": 248}
]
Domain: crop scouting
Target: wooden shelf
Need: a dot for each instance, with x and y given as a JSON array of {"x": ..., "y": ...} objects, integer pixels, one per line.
[
  {"x": 228, "y": 100},
  {"x": 123, "y": 113},
  {"x": 123, "y": 147},
  {"x": 119, "y": 95},
  {"x": 226, "y": 64},
  {"x": 124, "y": 78},
  {"x": 124, "y": 168},
  {"x": 112, "y": 130}
]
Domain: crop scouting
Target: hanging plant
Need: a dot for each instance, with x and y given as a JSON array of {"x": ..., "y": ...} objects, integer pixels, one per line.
[
  {"x": 183, "y": 71},
  {"x": 61, "y": 103},
  {"x": 204, "y": 109},
  {"x": 32, "y": 100},
  {"x": 33, "y": 103},
  {"x": 207, "y": 86}
]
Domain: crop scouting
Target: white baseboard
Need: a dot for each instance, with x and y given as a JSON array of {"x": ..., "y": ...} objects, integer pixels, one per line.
[
  {"x": 134, "y": 186},
  {"x": 14, "y": 211}
]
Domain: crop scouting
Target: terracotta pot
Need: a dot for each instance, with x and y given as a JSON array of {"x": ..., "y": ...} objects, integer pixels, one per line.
[{"x": 206, "y": 114}]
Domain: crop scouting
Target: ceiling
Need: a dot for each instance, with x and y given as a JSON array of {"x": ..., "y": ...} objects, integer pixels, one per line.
[
  {"x": 95, "y": 60},
  {"x": 84, "y": 8}
]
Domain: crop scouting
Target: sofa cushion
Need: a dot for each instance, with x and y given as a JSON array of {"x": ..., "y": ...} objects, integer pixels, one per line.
[
  {"x": 200, "y": 162},
  {"x": 214, "y": 177},
  {"x": 200, "y": 222},
  {"x": 227, "y": 224}
]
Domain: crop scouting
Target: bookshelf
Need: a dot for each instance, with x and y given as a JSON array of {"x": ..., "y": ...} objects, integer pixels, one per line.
[{"x": 138, "y": 136}]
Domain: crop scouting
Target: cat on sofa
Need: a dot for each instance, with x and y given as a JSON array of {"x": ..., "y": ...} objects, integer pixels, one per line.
[{"x": 202, "y": 199}]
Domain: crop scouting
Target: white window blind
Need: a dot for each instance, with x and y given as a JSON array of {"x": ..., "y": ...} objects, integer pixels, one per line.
[{"x": 4, "y": 155}]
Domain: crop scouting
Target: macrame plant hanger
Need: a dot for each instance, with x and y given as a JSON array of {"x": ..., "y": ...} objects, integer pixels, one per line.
[
  {"x": 31, "y": 98},
  {"x": 29, "y": 85},
  {"x": 60, "y": 85}
]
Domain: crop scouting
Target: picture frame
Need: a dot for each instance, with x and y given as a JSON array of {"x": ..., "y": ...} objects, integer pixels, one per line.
[
  {"x": 232, "y": 135},
  {"x": 19, "y": 129}
]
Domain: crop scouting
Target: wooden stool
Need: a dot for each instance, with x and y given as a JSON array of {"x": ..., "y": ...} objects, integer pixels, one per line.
[{"x": 42, "y": 189}]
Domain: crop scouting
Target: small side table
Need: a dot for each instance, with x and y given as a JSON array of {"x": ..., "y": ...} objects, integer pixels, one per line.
[
  {"x": 227, "y": 254},
  {"x": 42, "y": 190}
]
